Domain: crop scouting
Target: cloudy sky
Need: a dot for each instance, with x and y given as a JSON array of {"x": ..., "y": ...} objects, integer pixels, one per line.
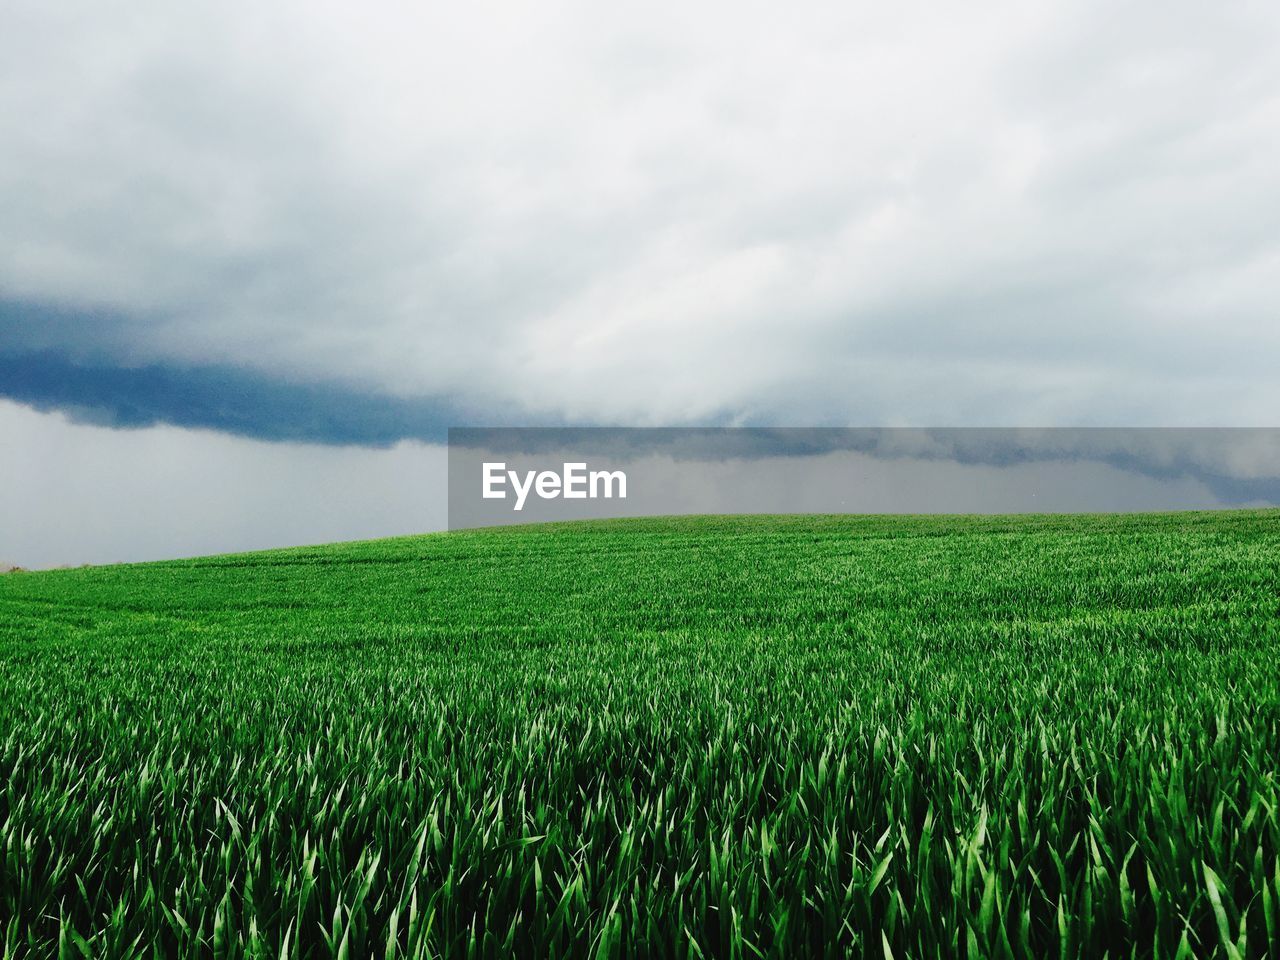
[{"x": 246, "y": 246}]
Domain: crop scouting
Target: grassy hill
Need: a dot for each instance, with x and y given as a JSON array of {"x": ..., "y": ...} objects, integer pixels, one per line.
[{"x": 776, "y": 736}]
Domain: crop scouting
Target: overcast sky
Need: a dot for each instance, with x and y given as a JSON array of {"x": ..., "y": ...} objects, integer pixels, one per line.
[{"x": 298, "y": 227}]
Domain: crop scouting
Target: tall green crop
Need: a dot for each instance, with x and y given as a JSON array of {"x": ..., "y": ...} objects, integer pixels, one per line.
[{"x": 737, "y": 737}]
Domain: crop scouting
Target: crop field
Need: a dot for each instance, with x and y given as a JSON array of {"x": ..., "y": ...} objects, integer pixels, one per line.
[{"x": 734, "y": 737}]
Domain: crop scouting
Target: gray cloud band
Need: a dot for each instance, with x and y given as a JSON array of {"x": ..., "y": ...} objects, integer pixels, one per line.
[{"x": 226, "y": 398}]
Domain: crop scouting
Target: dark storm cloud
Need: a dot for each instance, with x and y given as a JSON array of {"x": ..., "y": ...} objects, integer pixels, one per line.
[{"x": 224, "y": 398}]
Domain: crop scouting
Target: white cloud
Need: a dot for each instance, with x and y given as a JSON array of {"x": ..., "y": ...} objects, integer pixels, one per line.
[{"x": 1028, "y": 213}]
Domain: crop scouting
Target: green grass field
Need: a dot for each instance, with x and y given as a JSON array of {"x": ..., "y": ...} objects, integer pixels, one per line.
[{"x": 785, "y": 736}]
